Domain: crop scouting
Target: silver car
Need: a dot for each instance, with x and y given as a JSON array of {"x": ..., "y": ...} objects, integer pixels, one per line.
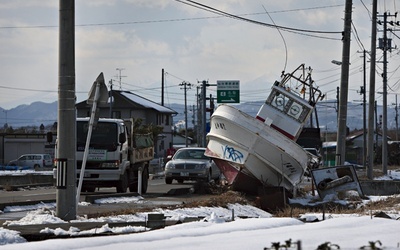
[
  {"x": 190, "y": 164},
  {"x": 33, "y": 160}
]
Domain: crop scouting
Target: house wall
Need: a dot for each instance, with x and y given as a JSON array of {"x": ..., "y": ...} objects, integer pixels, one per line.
[
  {"x": 359, "y": 142},
  {"x": 13, "y": 146},
  {"x": 148, "y": 116}
]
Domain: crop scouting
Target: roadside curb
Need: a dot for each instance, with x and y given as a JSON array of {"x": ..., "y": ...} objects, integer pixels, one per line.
[
  {"x": 16, "y": 187},
  {"x": 25, "y": 179},
  {"x": 33, "y": 232},
  {"x": 25, "y": 203}
]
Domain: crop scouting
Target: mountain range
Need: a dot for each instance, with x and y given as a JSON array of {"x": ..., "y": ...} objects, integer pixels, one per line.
[
  {"x": 34, "y": 114},
  {"x": 39, "y": 113}
]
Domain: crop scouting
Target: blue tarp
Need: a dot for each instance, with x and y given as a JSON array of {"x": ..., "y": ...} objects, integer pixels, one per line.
[{"x": 15, "y": 167}]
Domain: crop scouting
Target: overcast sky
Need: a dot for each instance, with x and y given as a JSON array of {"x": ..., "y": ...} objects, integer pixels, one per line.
[{"x": 142, "y": 37}]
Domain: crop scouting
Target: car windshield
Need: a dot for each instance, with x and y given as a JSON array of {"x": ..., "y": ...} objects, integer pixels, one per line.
[{"x": 190, "y": 154}]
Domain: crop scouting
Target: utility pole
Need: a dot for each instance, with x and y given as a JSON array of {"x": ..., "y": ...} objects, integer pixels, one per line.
[
  {"x": 370, "y": 146},
  {"x": 119, "y": 77},
  {"x": 111, "y": 98},
  {"x": 397, "y": 120},
  {"x": 194, "y": 116},
  {"x": 363, "y": 92},
  {"x": 186, "y": 86},
  {"x": 201, "y": 100},
  {"x": 203, "y": 110},
  {"x": 384, "y": 100},
  {"x": 162, "y": 87},
  {"x": 199, "y": 117},
  {"x": 66, "y": 176},
  {"x": 385, "y": 45},
  {"x": 344, "y": 84}
]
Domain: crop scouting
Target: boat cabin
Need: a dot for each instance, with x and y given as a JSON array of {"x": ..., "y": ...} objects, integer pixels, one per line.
[{"x": 285, "y": 111}]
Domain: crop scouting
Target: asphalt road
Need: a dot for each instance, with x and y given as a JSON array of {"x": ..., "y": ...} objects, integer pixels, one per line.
[{"x": 159, "y": 194}]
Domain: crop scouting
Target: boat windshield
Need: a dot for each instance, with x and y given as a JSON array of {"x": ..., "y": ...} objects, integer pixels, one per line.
[{"x": 288, "y": 105}]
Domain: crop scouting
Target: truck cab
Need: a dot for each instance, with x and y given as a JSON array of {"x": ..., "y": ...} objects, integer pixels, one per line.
[{"x": 112, "y": 160}]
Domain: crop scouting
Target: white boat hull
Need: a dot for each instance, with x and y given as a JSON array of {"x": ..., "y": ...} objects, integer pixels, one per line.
[{"x": 255, "y": 149}]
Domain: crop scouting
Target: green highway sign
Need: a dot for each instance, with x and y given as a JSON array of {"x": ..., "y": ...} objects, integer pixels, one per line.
[{"x": 228, "y": 91}]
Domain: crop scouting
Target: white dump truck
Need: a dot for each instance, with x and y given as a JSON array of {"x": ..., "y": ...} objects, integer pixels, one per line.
[{"x": 117, "y": 155}]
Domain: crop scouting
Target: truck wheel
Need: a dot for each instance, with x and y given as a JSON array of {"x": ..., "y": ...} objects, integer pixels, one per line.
[
  {"x": 168, "y": 180},
  {"x": 145, "y": 180},
  {"x": 123, "y": 184},
  {"x": 88, "y": 189}
]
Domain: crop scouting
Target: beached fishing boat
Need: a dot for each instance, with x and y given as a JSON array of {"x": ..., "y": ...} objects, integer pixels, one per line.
[{"x": 262, "y": 150}]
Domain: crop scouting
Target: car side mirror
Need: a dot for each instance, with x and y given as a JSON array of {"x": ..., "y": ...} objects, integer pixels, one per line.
[{"x": 122, "y": 138}]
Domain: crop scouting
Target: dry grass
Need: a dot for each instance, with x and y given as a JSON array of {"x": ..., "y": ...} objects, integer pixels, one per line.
[
  {"x": 390, "y": 203},
  {"x": 355, "y": 206},
  {"x": 225, "y": 197},
  {"x": 377, "y": 172},
  {"x": 222, "y": 200}
]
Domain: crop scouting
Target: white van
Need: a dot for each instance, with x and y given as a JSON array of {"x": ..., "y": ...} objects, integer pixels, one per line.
[{"x": 33, "y": 160}]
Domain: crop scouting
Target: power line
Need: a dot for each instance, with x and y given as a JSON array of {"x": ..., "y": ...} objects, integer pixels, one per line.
[
  {"x": 357, "y": 37},
  {"x": 163, "y": 20},
  {"x": 36, "y": 90},
  {"x": 283, "y": 39},
  {"x": 223, "y": 13}
]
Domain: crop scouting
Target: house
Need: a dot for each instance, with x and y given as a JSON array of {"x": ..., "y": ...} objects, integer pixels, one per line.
[
  {"x": 14, "y": 145},
  {"x": 126, "y": 104},
  {"x": 354, "y": 148},
  {"x": 180, "y": 141}
]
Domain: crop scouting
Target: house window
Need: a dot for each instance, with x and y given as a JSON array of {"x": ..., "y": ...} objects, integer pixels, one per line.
[
  {"x": 116, "y": 114},
  {"x": 160, "y": 119},
  {"x": 161, "y": 146},
  {"x": 167, "y": 120}
]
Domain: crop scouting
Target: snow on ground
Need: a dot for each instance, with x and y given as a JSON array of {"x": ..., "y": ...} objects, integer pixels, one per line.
[
  {"x": 24, "y": 172},
  {"x": 215, "y": 231},
  {"x": 348, "y": 232}
]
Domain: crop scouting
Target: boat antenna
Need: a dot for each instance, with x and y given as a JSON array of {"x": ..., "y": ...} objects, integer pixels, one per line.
[{"x": 283, "y": 39}]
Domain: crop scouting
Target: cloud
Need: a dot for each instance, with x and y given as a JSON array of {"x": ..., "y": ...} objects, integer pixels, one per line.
[{"x": 16, "y": 4}]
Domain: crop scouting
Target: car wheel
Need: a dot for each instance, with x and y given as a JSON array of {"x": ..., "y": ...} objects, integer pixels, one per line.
[
  {"x": 168, "y": 180},
  {"x": 36, "y": 167},
  {"x": 180, "y": 181},
  {"x": 209, "y": 176}
]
